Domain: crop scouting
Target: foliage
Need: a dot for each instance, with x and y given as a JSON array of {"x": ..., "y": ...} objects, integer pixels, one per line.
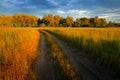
[
  {"x": 69, "y": 21},
  {"x": 18, "y": 20},
  {"x": 26, "y": 20}
]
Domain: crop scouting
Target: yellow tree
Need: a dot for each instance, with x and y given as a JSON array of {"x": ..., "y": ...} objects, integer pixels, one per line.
[
  {"x": 57, "y": 19},
  {"x": 69, "y": 20},
  {"x": 96, "y": 20},
  {"x": 25, "y": 20},
  {"x": 4, "y": 21},
  {"x": 49, "y": 19},
  {"x": 86, "y": 21},
  {"x": 16, "y": 20},
  {"x": 9, "y": 21},
  {"x": 103, "y": 21},
  {"x": 34, "y": 20}
]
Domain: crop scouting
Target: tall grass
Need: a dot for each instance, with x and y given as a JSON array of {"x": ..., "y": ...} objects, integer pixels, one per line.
[
  {"x": 18, "y": 50},
  {"x": 102, "y": 44}
]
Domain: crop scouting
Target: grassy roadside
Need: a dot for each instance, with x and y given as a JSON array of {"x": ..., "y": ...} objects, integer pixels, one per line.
[
  {"x": 18, "y": 50},
  {"x": 100, "y": 44},
  {"x": 61, "y": 61}
]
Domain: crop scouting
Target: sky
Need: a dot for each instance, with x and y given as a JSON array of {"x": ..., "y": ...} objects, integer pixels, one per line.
[{"x": 109, "y": 9}]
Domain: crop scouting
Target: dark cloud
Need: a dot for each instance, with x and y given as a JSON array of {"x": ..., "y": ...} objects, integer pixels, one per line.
[
  {"x": 110, "y": 4},
  {"x": 42, "y": 4},
  {"x": 104, "y": 8}
]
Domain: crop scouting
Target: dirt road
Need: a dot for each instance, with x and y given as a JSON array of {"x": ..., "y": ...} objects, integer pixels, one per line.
[{"x": 44, "y": 67}]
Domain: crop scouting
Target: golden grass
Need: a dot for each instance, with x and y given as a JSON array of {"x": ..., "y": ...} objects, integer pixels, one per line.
[
  {"x": 18, "y": 50},
  {"x": 102, "y": 44},
  {"x": 95, "y": 33}
]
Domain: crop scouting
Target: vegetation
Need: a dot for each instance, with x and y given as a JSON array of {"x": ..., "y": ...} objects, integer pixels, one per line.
[
  {"x": 18, "y": 50},
  {"x": 101, "y": 44},
  {"x": 63, "y": 64},
  {"x": 19, "y": 47},
  {"x": 18, "y": 20},
  {"x": 26, "y": 20}
]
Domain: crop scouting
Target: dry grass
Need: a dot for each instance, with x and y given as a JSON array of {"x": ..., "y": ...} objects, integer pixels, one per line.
[
  {"x": 102, "y": 44},
  {"x": 18, "y": 50}
]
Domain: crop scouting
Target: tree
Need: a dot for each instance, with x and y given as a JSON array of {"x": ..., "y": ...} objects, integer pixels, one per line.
[
  {"x": 97, "y": 21},
  {"x": 6, "y": 21},
  {"x": 103, "y": 22},
  {"x": 85, "y": 21},
  {"x": 49, "y": 19},
  {"x": 63, "y": 22},
  {"x": 110, "y": 23},
  {"x": 26, "y": 20},
  {"x": 33, "y": 20},
  {"x": 57, "y": 19},
  {"x": 9, "y": 21},
  {"x": 78, "y": 22},
  {"x": 39, "y": 21},
  {"x": 69, "y": 21}
]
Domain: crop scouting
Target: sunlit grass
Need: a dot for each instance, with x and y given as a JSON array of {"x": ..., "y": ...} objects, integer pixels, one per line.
[
  {"x": 102, "y": 44},
  {"x": 18, "y": 50}
]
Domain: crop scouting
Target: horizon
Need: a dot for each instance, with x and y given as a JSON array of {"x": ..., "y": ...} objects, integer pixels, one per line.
[{"x": 109, "y": 9}]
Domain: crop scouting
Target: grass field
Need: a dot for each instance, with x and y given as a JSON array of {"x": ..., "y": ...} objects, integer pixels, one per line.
[
  {"x": 102, "y": 44},
  {"x": 18, "y": 50}
]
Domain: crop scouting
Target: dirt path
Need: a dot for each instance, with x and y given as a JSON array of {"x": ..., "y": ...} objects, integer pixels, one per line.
[
  {"x": 82, "y": 65},
  {"x": 44, "y": 67}
]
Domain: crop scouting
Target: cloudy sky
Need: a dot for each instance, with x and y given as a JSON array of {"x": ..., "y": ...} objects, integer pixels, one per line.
[{"x": 109, "y": 9}]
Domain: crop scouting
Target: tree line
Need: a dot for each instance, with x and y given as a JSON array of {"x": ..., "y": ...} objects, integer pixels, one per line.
[{"x": 26, "y": 20}]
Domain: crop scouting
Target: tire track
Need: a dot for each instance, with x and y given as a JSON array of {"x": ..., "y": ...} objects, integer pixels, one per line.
[{"x": 44, "y": 66}]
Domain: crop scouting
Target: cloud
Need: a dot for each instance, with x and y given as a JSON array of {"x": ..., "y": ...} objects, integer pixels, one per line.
[
  {"x": 42, "y": 4},
  {"x": 109, "y": 4},
  {"x": 102, "y": 13},
  {"x": 61, "y": 12},
  {"x": 111, "y": 16},
  {"x": 104, "y": 16},
  {"x": 76, "y": 8},
  {"x": 79, "y": 12},
  {"x": 74, "y": 13}
]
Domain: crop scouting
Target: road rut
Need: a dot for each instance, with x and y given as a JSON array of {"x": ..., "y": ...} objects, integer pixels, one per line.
[{"x": 44, "y": 67}]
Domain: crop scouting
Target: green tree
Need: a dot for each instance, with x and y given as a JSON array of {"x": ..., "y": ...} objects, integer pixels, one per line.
[
  {"x": 63, "y": 22},
  {"x": 78, "y": 22}
]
